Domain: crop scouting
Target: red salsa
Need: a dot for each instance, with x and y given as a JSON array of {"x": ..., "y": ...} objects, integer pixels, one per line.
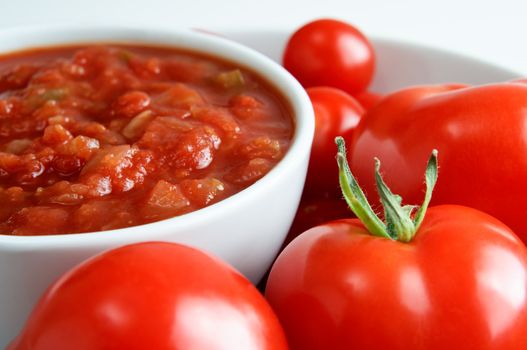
[{"x": 104, "y": 137}]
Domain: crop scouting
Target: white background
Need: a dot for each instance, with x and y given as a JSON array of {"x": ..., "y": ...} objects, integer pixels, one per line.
[{"x": 493, "y": 31}]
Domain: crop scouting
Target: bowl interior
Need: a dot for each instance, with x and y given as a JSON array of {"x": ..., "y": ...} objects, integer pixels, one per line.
[{"x": 399, "y": 64}]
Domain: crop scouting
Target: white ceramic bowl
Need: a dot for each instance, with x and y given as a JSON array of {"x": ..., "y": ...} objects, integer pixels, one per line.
[{"x": 246, "y": 229}]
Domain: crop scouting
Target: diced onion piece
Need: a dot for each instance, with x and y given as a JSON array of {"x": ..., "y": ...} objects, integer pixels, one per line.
[
  {"x": 136, "y": 127},
  {"x": 54, "y": 94},
  {"x": 18, "y": 146},
  {"x": 230, "y": 79},
  {"x": 249, "y": 172},
  {"x": 261, "y": 147},
  {"x": 165, "y": 200},
  {"x": 202, "y": 192}
]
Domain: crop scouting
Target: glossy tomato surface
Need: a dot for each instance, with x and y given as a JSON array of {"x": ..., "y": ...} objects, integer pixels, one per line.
[
  {"x": 460, "y": 284},
  {"x": 151, "y": 296},
  {"x": 479, "y": 133},
  {"x": 336, "y": 114},
  {"x": 328, "y": 52}
]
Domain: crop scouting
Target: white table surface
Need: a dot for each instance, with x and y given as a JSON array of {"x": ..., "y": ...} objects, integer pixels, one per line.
[{"x": 493, "y": 31}]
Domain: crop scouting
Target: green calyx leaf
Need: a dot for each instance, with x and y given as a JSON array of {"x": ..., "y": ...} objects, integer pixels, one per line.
[
  {"x": 430, "y": 180},
  {"x": 399, "y": 223},
  {"x": 355, "y": 197}
]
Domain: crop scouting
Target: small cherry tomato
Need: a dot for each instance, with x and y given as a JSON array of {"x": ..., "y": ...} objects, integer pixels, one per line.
[
  {"x": 328, "y": 52},
  {"x": 336, "y": 113}
]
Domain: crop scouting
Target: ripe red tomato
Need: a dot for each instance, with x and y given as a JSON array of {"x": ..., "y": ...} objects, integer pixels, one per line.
[
  {"x": 336, "y": 113},
  {"x": 480, "y": 133},
  {"x": 327, "y": 52},
  {"x": 460, "y": 283},
  {"x": 152, "y": 296}
]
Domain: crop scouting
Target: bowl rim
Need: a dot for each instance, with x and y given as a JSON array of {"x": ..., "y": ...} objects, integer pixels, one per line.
[
  {"x": 190, "y": 40},
  {"x": 416, "y": 45}
]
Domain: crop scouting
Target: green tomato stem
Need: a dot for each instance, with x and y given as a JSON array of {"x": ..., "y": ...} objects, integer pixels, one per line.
[
  {"x": 430, "y": 180},
  {"x": 354, "y": 195},
  {"x": 399, "y": 223}
]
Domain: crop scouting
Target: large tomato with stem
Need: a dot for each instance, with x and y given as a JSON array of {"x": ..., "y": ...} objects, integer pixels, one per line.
[
  {"x": 152, "y": 296},
  {"x": 480, "y": 132},
  {"x": 447, "y": 277}
]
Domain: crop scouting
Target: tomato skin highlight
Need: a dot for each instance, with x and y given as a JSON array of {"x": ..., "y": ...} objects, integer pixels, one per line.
[
  {"x": 336, "y": 114},
  {"x": 151, "y": 296},
  {"x": 328, "y": 52},
  {"x": 460, "y": 283},
  {"x": 479, "y": 132}
]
